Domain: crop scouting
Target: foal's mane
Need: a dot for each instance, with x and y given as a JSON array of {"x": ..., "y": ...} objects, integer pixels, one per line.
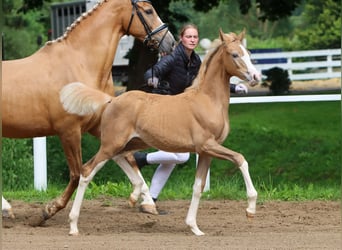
[
  {"x": 76, "y": 23},
  {"x": 217, "y": 46},
  {"x": 203, "y": 68}
]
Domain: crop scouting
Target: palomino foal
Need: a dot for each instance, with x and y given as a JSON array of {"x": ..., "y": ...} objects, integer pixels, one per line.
[{"x": 137, "y": 120}]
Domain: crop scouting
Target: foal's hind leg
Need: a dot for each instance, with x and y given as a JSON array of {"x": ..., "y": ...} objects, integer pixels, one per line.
[{"x": 140, "y": 187}]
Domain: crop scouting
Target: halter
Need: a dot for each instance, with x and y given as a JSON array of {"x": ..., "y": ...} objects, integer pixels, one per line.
[{"x": 148, "y": 41}]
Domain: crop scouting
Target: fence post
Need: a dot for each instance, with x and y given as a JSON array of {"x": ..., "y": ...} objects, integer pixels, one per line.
[
  {"x": 39, "y": 161},
  {"x": 289, "y": 70},
  {"x": 329, "y": 60}
]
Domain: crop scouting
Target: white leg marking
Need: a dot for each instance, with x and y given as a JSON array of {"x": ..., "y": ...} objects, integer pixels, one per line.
[
  {"x": 76, "y": 207},
  {"x": 140, "y": 187},
  {"x": 192, "y": 213},
  {"x": 251, "y": 192},
  {"x": 6, "y": 208}
]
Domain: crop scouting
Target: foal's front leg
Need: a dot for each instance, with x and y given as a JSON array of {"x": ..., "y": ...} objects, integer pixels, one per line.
[
  {"x": 251, "y": 192},
  {"x": 217, "y": 150}
]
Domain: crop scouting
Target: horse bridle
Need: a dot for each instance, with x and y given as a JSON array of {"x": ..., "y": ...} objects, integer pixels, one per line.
[{"x": 148, "y": 41}]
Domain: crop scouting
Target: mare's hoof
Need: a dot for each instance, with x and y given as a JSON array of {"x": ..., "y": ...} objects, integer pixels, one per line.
[
  {"x": 148, "y": 209},
  {"x": 38, "y": 220},
  {"x": 8, "y": 213}
]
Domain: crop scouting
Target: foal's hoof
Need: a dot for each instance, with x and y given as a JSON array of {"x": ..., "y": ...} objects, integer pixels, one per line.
[
  {"x": 148, "y": 209},
  {"x": 249, "y": 216},
  {"x": 74, "y": 233}
]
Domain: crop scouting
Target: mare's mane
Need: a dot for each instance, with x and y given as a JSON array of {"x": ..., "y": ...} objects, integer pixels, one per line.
[{"x": 75, "y": 23}]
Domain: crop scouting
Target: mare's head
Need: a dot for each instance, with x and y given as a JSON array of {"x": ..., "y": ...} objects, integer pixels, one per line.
[
  {"x": 145, "y": 24},
  {"x": 236, "y": 58}
]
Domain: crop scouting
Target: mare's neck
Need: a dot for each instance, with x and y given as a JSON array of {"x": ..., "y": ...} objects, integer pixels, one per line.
[{"x": 93, "y": 42}]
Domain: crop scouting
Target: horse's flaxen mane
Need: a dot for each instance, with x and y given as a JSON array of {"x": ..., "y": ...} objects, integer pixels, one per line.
[
  {"x": 215, "y": 48},
  {"x": 76, "y": 22},
  {"x": 204, "y": 65}
]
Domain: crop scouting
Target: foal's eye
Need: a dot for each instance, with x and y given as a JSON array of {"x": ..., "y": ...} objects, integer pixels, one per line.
[
  {"x": 235, "y": 55},
  {"x": 149, "y": 11}
]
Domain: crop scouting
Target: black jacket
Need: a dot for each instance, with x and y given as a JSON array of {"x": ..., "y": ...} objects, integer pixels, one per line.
[{"x": 176, "y": 69}]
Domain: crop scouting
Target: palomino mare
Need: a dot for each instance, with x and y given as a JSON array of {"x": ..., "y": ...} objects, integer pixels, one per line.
[
  {"x": 30, "y": 86},
  {"x": 194, "y": 121}
]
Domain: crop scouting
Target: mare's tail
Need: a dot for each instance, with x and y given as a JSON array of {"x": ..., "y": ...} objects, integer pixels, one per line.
[{"x": 80, "y": 99}]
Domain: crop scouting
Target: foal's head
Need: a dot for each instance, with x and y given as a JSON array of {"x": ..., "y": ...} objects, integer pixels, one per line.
[{"x": 236, "y": 58}]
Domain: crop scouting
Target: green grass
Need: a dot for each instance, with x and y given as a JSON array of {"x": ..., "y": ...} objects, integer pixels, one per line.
[
  {"x": 229, "y": 190},
  {"x": 293, "y": 150}
]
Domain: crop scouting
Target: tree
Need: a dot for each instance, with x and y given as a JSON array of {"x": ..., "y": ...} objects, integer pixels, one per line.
[
  {"x": 321, "y": 25},
  {"x": 269, "y": 10},
  {"x": 25, "y": 25},
  {"x": 272, "y": 10}
]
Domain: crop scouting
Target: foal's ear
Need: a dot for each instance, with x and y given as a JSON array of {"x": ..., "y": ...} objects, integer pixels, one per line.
[
  {"x": 241, "y": 36},
  {"x": 222, "y": 35}
]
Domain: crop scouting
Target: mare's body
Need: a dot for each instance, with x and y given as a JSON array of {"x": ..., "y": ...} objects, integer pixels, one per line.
[{"x": 30, "y": 86}]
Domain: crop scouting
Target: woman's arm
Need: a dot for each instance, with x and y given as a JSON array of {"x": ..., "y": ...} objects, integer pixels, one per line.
[{"x": 160, "y": 69}]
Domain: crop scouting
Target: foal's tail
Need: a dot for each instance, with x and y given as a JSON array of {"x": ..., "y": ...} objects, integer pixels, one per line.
[{"x": 80, "y": 99}]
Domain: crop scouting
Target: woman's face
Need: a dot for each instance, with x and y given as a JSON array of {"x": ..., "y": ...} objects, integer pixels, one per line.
[{"x": 190, "y": 39}]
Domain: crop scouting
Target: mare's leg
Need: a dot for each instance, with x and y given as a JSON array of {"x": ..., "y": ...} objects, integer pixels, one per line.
[
  {"x": 200, "y": 179},
  {"x": 7, "y": 211},
  {"x": 140, "y": 187},
  {"x": 88, "y": 172},
  {"x": 216, "y": 150},
  {"x": 71, "y": 142}
]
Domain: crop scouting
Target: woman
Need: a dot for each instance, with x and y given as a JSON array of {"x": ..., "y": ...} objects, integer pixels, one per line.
[{"x": 172, "y": 74}]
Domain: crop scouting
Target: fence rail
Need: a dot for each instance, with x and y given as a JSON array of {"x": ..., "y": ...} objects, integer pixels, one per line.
[{"x": 303, "y": 65}]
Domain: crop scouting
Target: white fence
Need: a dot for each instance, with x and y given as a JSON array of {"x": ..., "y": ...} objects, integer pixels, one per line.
[{"x": 303, "y": 65}]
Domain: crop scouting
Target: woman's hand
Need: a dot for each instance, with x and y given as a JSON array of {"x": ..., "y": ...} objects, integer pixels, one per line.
[
  {"x": 241, "y": 89},
  {"x": 153, "y": 81}
]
